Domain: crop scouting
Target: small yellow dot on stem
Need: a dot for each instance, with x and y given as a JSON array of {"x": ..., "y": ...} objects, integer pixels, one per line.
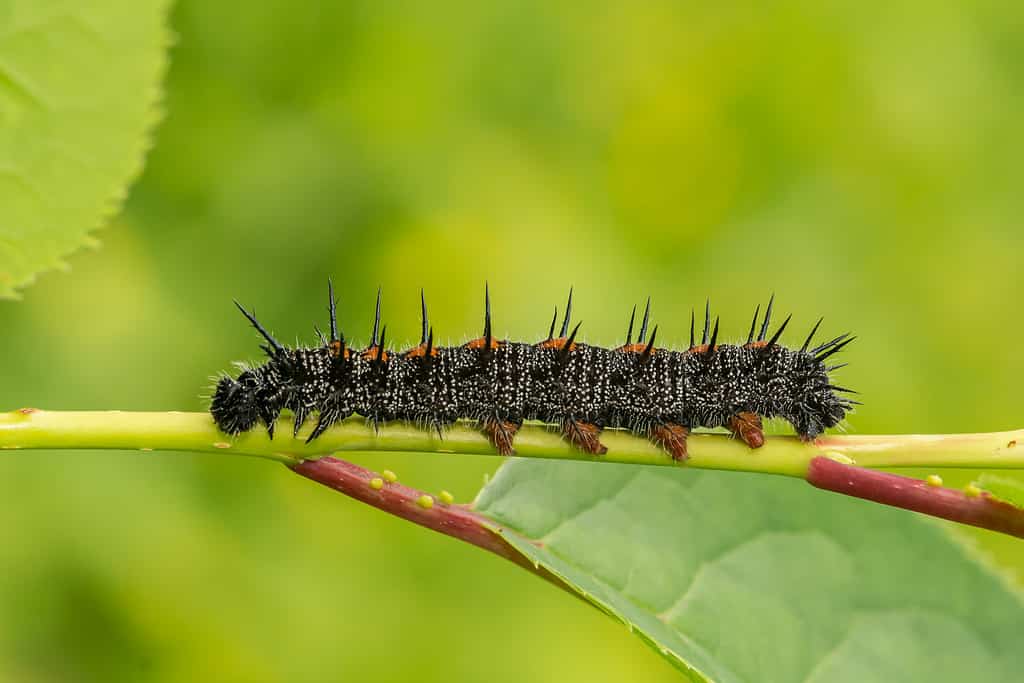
[
  {"x": 839, "y": 457},
  {"x": 425, "y": 502},
  {"x": 972, "y": 490},
  {"x": 390, "y": 476},
  {"x": 446, "y": 497},
  {"x": 933, "y": 480},
  {"x": 376, "y": 483}
]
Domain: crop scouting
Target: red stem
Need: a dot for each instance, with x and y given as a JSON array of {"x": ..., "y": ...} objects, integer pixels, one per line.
[
  {"x": 461, "y": 522},
  {"x": 457, "y": 521},
  {"x": 913, "y": 494}
]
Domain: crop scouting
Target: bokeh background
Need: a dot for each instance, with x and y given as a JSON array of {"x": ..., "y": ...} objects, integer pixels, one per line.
[{"x": 860, "y": 160}]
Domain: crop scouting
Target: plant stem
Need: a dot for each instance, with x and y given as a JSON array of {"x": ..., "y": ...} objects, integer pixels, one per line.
[
  {"x": 30, "y": 428},
  {"x": 992, "y": 450},
  {"x": 980, "y": 510},
  {"x": 457, "y": 521}
]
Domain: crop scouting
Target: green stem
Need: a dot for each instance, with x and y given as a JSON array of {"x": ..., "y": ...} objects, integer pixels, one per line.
[
  {"x": 176, "y": 431},
  {"x": 992, "y": 450}
]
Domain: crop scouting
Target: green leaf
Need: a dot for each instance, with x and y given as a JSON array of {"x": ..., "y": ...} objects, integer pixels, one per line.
[
  {"x": 1003, "y": 488},
  {"x": 738, "y": 577},
  {"x": 79, "y": 86}
]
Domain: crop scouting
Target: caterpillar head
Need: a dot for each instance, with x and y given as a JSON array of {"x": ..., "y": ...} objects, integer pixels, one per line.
[
  {"x": 235, "y": 404},
  {"x": 818, "y": 406}
]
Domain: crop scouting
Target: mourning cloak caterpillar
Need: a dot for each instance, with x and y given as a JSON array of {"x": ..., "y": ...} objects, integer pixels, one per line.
[{"x": 654, "y": 392}]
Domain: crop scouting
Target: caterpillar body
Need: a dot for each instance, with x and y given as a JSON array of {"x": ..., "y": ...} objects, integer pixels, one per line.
[{"x": 658, "y": 393}]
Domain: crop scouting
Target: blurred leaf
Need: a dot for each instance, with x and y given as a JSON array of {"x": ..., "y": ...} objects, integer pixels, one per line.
[
  {"x": 1003, "y": 488},
  {"x": 79, "y": 85},
  {"x": 745, "y": 578}
]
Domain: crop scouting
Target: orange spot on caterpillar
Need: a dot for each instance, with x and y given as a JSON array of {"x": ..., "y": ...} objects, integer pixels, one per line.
[
  {"x": 371, "y": 354},
  {"x": 481, "y": 342},
  {"x": 28, "y": 411},
  {"x": 336, "y": 350},
  {"x": 703, "y": 348},
  {"x": 633, "y": 348},
  {"x": 1012, "y": 444},
  {"x": 555, "y": 344},
  {"x": 420, "y": 351}
]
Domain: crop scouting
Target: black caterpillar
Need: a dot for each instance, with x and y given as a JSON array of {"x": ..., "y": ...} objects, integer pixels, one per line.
[{"x": 657, "y": 393}]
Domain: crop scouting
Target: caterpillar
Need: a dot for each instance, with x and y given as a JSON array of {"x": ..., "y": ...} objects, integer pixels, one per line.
[{"x": 658, "y": 393}]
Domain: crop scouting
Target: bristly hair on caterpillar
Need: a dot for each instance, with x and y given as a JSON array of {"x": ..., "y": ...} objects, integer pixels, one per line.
[{"x": 658, "y": 393}]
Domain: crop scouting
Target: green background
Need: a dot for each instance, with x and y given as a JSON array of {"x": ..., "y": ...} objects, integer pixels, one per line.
[{"x": 859, "y": 160}]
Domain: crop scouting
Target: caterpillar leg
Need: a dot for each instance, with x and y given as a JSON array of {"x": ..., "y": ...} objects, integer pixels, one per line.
[
  {"x": 501, "y": 434},
  {"x": 584, "y": 436},
  {"x": 328, "y": 416},
  {"x": 301, "y": 412},
  {"x": 269, "y": 415},
  {"x": 672, "y": 437},
  {"x": 747, "y": 426}
]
